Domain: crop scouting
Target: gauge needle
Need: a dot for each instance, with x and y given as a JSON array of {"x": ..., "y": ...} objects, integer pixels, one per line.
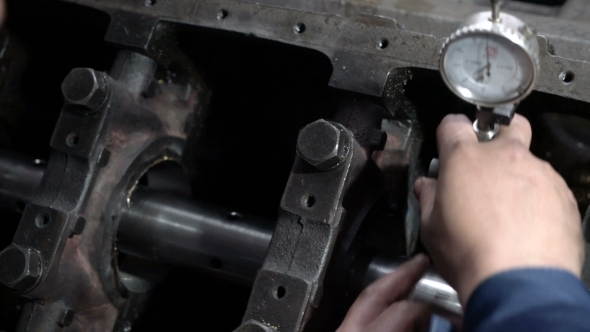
[
  {"x": 478, "y": 75},
  {"x": 488, "y": 64}
]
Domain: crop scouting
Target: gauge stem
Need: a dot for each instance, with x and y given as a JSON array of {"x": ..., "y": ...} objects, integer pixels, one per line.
[{"x": 496, "y": 4}]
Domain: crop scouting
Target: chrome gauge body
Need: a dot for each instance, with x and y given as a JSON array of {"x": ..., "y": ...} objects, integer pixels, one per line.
[{"x": 491, "y": 63}]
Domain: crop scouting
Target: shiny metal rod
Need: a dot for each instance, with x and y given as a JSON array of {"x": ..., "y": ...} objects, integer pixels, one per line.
[
  {"x": 430, "y": 289},
  {"x": 176, "y": 230},
  {"x": 19, "y": 179},
  {"x": 486, "y": 125},
  {"x": 496, "y": 5},
  {"x": 171, "y": 229}
]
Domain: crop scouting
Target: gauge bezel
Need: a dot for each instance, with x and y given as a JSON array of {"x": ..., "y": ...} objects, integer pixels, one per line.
[{"x": 509, "y": 28}]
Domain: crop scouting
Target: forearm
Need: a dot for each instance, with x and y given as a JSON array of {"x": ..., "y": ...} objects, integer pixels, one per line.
[{"x": 529, "y": 300}]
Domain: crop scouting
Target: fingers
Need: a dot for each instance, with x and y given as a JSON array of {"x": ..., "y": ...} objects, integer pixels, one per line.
[
  {"x": 519, "y": 130},
  {"x": 425, "y": 191},
  {"x": 457, "y": 129},
  {"x": 383, "y": 292},
  {"x": 403, "y": 316},
  {"x": 453, "y": 130},
  {"x": 398, "y": 284}
]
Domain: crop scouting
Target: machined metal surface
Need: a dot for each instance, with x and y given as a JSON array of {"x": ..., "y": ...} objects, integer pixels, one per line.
[
  {"x": 20, "y": 267},
  {"x": 116, "y": 125},
  {"x": 430, "y": 289},
  {"x": 170, "y": 228},
  {"x": 485, "y": 129},
  {"x": 399, "y": 156},
  {"x": 349, "y": 40},
  {"x": 323, "y": 145},
  {"x": 290, "y": 284},
  {"x": 173, "y": 229},
  {"x": 20, "y": 177},
  {"x": 97, "y": 158},
  {"x": 86, "y": 88}
]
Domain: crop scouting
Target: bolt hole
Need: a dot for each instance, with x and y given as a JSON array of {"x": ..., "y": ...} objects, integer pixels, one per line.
[
  {"x": 234, "y": 216},
  {"x": 567, "y": 77},
  {"x": 308, "y": 201},
  {"x": 216, "y": 263},
  {"x": 20, "y": 206},
  {"x": 221, "y": 14},
  {"x": 150, "y": 3},
  {"x": 72, "y": 140},
  {"x": 42, "y": 220},
  {"x": 382, "y": 43},
  {"x": 299, "y": 28},
  {"x": 279, "y": 292}
]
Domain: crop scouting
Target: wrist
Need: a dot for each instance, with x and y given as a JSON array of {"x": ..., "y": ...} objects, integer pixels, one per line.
[{"x": 484, "y": 269}]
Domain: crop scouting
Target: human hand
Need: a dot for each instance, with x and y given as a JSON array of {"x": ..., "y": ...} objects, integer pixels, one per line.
[
  {"x": 383, "y": 305},
  {"x": 495, "y": 207}
]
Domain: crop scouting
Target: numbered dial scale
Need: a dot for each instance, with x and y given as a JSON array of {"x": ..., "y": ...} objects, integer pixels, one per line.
[{"x": 491, "y": 63}]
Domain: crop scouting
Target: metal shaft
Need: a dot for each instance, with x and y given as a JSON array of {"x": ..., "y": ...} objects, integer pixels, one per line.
[
  {"x": 486, "y": 125},
  {"x": 173, "y": 229},
  {"x": 176, "y": 230},
  {"x": 19, "y": 179},
  {"x": 496, "y": 5},
  {"x": 430, "y": 289}
]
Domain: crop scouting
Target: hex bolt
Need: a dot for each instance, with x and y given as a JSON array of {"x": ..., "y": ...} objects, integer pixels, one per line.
[
  {"x": 323, "y": 144},
  {"x": 85, "y": 87},
  {"x": 20, "y": 267}
]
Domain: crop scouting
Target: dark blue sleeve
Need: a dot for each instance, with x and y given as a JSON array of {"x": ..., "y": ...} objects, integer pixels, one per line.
[{"x": 529, "y": 300}]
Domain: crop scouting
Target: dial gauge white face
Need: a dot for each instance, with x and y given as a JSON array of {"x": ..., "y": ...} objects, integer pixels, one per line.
[{"x": 487, "y": 69}]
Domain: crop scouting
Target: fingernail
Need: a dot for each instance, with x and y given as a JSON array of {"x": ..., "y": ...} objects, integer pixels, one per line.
[
  {"x": 418, "y": 186},
  {"x": 419, "y": 259}
]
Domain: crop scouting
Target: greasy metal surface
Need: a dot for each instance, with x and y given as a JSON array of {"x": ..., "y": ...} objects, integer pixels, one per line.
[
  {"x": 19, "y": 179},
  {"x": 169, "y": 228},
  {"x": 350, "y": 40},
  {"x": 323, "y": 145},
  {"x": 173, "y": 229},
  {"x": 90, "y": 178},
  {"x": 291, "y": 281},
  {"x": 85, "y": 87},
  {"x": 398, "y": 161},
  {"x": 20, "y": 267},
  {"x": 578, "y": 10}
]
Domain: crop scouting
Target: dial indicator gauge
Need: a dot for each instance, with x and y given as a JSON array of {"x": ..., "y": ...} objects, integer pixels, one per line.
[{"x": 489, "y": 67}]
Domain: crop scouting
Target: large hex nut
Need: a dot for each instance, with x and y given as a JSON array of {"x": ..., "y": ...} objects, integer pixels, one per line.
[
  {"x": 20, "y": 267},
  {"x": 323, "y": 144},
  {"x": 85, "y": 87}
]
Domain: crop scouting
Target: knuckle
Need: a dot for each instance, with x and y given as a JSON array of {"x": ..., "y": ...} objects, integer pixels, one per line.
[
  {"x": 546, "y": 167},
  {"x": 405, "y": 306},
  {"x": 515, "y": 151},
  {"x": 461, "y": 147},
  {"x": 369, "y": 292}
]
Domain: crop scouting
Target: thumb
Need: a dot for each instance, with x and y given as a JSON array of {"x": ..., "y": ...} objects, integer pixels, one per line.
[{"x": 425, "y": 191}]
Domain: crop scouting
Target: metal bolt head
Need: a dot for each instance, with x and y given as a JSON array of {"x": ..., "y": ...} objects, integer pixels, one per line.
[
  {"x": 85, "y": 87},
  {"x": 20, "y": 267},
  {"x": 323, "y": 144}
]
